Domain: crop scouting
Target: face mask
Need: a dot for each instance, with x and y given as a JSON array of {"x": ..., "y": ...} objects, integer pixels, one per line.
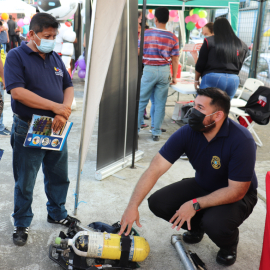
[
  {"x": 195, "y": 120},
  {"x": 46, "y": 45}
]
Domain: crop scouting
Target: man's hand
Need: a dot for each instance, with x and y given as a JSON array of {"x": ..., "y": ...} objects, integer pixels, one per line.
[
  {"x": 174, "y": 81},
  {"x": 62, "y": 109},
  {"x": 197, "y": 85},
  {"x": 130, "y": 215},
  {"x": 185, "y": 213},
  {"x": 58, "y": 122}
]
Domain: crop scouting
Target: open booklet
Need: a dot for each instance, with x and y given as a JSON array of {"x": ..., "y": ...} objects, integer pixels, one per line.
[{"x": 41, "y": 135}]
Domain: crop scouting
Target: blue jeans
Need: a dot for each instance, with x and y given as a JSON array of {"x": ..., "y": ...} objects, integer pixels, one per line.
[
  {"x": 2, "y": 126},
  {"x": 26, "y": 164},
  {"x": 4, "y": 47},
  {"x": 152, "y": 110},
  {"x": 156, "y": 80},
  {"x": 226, "y": 82}
]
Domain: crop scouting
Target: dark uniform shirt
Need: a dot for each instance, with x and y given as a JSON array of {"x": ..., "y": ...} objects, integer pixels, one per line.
[
  {"x": 230, "y": 155},
  {"x": 47, "y": 78}
]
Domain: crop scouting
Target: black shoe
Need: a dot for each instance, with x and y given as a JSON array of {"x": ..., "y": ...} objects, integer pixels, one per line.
[
  {"x": 193, "y": 237},
  {"x": 66, "y": 222},
  {"x": 155, "y": 138},
  {"x": 146, "y": 117},
  {"x": 20, "y": 235},
  {"x": 227, "y": 256}
]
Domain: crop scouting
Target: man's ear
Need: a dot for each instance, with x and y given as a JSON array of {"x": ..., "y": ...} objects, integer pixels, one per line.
[
  {"x": 31, "y": 34},
  {"x": 219, "y": 116}
]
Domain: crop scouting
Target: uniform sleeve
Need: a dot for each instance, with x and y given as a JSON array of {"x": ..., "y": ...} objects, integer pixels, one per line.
[
  {"x": 175, "y": 146},
  {"x": 66, "y": 79},
  {"x": 13, "y": 72},
  {"x": 203, "y": 57},
  {"x": 242, "y": 163},
  {"x": 175, "y": 49}
]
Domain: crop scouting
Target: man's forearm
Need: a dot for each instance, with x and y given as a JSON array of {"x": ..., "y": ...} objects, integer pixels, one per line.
[
  {"x": 68, "y": 96},
  {"x": 175, "y": 61},
  {"x": 222, "y": 196},
  {"x": 32, "y": 100}
]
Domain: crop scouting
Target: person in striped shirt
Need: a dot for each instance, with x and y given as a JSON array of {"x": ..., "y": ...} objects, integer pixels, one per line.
[{"x": 161, "y": 49}]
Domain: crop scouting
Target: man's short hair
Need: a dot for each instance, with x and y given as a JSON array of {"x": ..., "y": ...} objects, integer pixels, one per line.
[
  {"x": 220, "y": 99},
  {"x": 162, "y": 14},
  {"x": 10, "y": 17},
  {"x": 43, "y": 21}
]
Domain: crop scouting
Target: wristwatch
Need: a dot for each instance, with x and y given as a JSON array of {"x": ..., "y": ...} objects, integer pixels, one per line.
[{"x": 196, "y": 205}]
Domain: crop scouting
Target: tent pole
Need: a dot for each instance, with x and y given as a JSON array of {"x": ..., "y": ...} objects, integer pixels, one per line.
[
  {"x": 135, "y": 132},
  {"x": 86, "y": 87},
  {"x": 127, "y": 92}
]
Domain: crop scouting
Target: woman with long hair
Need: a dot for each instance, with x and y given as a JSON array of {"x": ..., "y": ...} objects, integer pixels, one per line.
[{"x": 220, "y": 60}]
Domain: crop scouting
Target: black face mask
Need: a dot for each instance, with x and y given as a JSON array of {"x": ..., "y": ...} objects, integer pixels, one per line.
[{"x": 195, "y": 120}]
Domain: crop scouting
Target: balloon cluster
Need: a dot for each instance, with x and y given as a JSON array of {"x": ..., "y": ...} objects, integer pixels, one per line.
[
  {"x": 173, "y": 16},
  {"x": 196, "y": 18},
  {"x": 150, "y": 15},
  {"x": 82, "y": 65}
]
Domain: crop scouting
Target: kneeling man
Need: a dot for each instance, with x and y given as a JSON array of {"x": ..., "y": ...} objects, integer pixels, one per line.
[{"x": 223, "y": 192}]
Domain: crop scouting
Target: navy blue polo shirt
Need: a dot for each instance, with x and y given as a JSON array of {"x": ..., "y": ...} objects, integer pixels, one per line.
[
  {"x": 47, "y": 78},
  {"x": 231, "y": 154}
]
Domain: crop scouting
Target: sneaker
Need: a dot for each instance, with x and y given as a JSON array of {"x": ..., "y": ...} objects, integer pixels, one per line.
[
  {"x": 184, "y": 157},
  {"x": 144, "y": 126},
  {"x": 155, "y": 138},
  {"x": 146, "y": 117},
  {"x": 162, "y": 130},
  {"x": 66, "y": 221},
  {"x": 20, "y": 235},
  {"x": 5, "y": 133}
]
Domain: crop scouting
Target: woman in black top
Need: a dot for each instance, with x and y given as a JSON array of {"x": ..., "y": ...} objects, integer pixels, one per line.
[{"x": 220, "y": 59}]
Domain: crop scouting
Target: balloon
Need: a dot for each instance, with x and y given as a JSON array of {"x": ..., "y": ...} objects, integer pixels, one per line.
[
  {"x": 82, "y": 64},
  {"x": 151, "y": 10},
  {"x": 191, "y": 12},
  {"x": 202, "y": 22},
  {"x": 26, "y": 21},
  {"x": 4, "y": 16},
  {"x": 80, "y": 57},
  {"x": 202, "y": 14},
  {"x": 68, "y": 24},
  {"x": 187, "y": 19},
  {"x": 150, "y": 16},
  {"x": 197, "y": 26},
  {"x": 173, "y": 13},
  {"x": 81, "y": 73},
  {"x": 196, "y": 11},
  {"x": 190, "y": 26},
  {"x": 20, "y": 23},
  {"x": 195, "y": 18},
  {"x": 176, "y": 19}
]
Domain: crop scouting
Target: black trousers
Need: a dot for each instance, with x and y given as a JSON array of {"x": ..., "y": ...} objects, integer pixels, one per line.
[
  {"x": 220, "y": 223},
  {"x": 13, "y": 39}
]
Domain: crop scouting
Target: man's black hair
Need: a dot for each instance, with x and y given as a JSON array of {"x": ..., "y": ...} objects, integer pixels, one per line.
[
  {"x": 10, "y": 17},
  {"x": 43, "y": 21},
  {"x": 220, "y": 99},
  {"x": 162, "y": 14}
]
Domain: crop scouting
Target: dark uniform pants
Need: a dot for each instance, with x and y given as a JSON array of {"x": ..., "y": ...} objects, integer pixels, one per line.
[{"x": 220, "y": 223}]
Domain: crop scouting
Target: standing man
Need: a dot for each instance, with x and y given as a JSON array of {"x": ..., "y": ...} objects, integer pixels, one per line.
[
  {"x": 12, "y": 31},
  {"x": 161, "y": 49},
  {"x": 39, "y": 84},
  {"x": 223, "y": 192}
]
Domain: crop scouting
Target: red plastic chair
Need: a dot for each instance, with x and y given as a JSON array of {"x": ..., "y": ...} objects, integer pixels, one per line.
[{"x": 265, "y": 258}]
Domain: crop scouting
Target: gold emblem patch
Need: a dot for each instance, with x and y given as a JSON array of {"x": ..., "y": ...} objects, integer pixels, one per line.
[{"x": 216, "y": 162}]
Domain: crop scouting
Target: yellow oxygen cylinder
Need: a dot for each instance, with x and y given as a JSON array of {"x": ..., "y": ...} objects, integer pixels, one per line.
[{"x": 106, "y": 246}]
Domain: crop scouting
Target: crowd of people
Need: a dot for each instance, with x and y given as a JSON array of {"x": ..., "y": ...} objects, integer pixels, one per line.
[{"x": 223, "y": 192}]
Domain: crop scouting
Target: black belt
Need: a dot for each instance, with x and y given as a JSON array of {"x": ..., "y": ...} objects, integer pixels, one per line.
[{"x": 25, "y": 119}]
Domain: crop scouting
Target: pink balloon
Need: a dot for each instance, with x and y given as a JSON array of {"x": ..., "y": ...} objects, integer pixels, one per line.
[
  {"x": 195, "y": 18},
  {"x": 20, "y": 23},
  {"x": 26, "y": 21},
  {"x": 202, "y": 22},
  {"x": 173, "y": 13},
  {"x": 150, "y": 16},
  {"x": 188, "y": 19},
  {"x": 176, "y": 19}
]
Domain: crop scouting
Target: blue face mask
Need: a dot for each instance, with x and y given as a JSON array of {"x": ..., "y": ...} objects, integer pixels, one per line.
[{"x": 46, "y": 45}]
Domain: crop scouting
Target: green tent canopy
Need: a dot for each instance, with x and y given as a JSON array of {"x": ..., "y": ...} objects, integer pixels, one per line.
[{"x": 232, "y": 5}]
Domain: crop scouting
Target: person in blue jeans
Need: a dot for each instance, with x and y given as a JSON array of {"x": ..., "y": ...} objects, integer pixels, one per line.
[
  {"x": 39, "y": 84},
  {"x": 161, "y": 49},
  {"x": 220, "y": 59}
]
